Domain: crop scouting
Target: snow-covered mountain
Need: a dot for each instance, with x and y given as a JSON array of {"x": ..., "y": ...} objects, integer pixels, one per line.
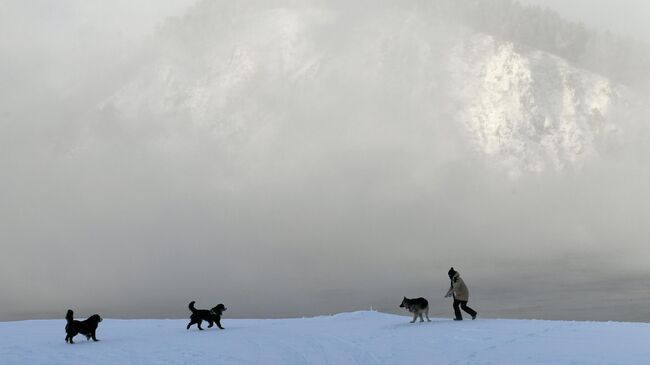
[
  {"x": 348, "y": 338},
  {"x": 532, "y": 111},
  {"x": 247, "y": 75}
]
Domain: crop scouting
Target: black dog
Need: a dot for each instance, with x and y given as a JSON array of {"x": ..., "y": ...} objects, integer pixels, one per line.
[
  {"x": 211, "y": 316},
  {"x": 86, "y": 328}
]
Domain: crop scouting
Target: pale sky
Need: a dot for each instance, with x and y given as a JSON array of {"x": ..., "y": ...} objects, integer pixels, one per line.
[{"x": 628, "y": 17}]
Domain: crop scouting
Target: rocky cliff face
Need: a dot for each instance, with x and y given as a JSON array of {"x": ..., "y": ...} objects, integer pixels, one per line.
[{"x": 532, "y": 111}]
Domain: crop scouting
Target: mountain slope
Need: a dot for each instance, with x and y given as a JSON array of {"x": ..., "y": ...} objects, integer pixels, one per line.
[
  {"x": 250, "y": 77},
  {"x": 532, "y": 111}
]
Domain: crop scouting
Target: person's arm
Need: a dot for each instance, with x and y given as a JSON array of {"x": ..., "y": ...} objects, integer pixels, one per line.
[{"x": 450, "y": 291}]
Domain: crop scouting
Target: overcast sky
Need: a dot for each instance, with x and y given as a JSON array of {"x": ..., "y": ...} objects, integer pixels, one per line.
[
  {"x": 628, "y": 17},
  {"x": 138, "y": 18},
  {"x": 287, "y": 165}
]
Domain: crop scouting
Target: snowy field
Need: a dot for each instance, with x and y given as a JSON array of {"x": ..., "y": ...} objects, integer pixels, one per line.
[{"x": 349, "y": 338}]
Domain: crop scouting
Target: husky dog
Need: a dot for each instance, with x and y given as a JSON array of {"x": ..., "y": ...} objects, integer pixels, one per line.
[
  {"x": 417, "y": 306},
  {"x": 211, "y": 316},
  {"x": 87, "y": 327}
]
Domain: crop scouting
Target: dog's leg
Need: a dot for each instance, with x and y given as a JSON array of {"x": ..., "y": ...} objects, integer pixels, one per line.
[
  {"x": 415, "y": 316},
  {"x": 210, "y": 324},
  {"x": 189, "y": 325},
  {"x": 199, "y": 324},
  {"x": 219, "y": 323},
  {"x": 426, "y": 313},
  {"x": 94, "y": 337}
]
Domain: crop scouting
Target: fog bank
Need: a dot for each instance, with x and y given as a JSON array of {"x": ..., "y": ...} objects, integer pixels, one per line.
[{"x": 300, "y": 158}]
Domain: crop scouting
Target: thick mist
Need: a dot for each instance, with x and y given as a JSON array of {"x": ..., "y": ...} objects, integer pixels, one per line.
[{"x": 300, "y": 158}]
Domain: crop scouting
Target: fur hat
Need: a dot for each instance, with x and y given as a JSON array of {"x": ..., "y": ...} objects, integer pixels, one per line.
[{"x": 451, "y": 273}]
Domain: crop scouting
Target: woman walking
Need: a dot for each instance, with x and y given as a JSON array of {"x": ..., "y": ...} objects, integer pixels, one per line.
[{"x": 461, "y": 295}]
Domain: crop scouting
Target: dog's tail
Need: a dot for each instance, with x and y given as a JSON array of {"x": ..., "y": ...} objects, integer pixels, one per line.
[
  {"x": 191, "y": 306},
  {"x": 69, "y": 316}
]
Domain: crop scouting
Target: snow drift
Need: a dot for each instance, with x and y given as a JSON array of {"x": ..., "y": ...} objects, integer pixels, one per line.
[{"x": 348, "y": 338}]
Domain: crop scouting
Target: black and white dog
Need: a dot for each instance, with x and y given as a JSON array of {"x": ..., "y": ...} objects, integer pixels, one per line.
[
  {"x": 211, "y": 316},
  {"x": 86, "y": 328},
  {"x": 417, "y": 306}
]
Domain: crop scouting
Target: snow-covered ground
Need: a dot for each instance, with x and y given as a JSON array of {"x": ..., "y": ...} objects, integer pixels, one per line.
[{"x": 349, "y": 338}]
